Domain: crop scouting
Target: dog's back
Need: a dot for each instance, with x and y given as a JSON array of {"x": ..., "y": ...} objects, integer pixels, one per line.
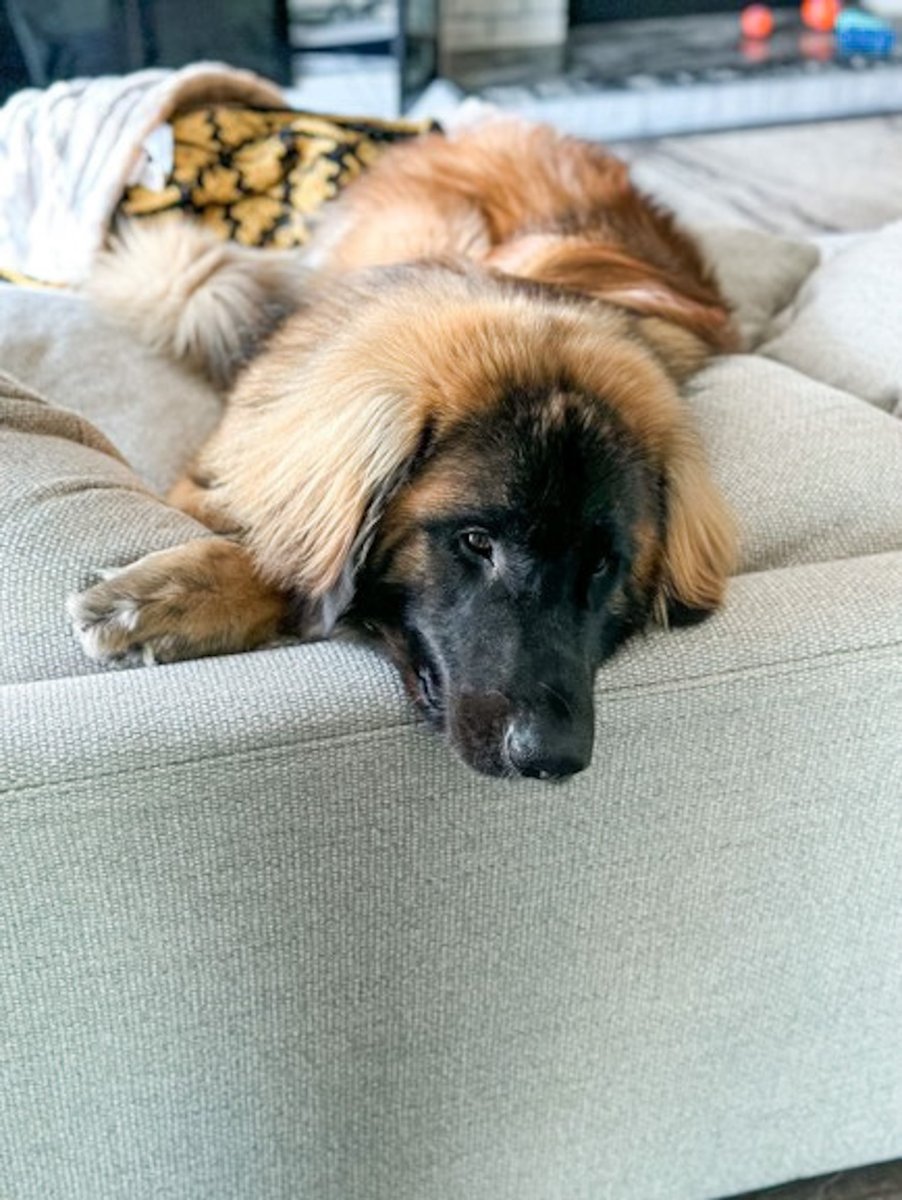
[
  {"x": 515, "y": 197},
  {"x": 491, "y": 184}
]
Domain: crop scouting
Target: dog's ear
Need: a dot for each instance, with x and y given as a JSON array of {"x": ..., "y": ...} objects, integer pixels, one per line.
[
  {"x": 314, "y": 480},
  {"x": 331, "y": 605},
  {"x": 700, "y": 540}
]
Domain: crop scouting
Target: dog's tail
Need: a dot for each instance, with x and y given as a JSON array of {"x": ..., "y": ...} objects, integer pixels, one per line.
[{"x": 190, "y": 295}]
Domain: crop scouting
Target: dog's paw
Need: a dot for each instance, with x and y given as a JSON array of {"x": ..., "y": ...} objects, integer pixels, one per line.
[
  {"x": 131, "y": 615},
  {"x": 193, "y": 600}
]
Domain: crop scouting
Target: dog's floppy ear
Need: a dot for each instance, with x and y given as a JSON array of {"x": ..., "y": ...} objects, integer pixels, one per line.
[
  {"x": 312, "y": 478},
  {"x": 699, "y": 543},
  {"x": 330, "y": 606}
]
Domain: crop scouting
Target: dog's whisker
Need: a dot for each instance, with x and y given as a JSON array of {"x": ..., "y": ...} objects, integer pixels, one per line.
[{"x": 562, "y": 700}]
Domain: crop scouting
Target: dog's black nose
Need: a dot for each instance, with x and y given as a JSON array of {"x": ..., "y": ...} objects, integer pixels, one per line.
[{"x": 543, "y": 750}]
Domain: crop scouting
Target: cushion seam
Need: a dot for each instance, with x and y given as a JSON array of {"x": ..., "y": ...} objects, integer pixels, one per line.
[{"x": 818, "y": 662}]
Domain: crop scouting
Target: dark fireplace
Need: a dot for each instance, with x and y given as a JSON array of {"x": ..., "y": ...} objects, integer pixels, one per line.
[
  {"x": 590, "y": 12},
  {"x": 639, "y": 68}
]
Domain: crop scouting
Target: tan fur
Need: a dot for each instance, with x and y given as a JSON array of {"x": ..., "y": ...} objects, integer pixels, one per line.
[
  {"x": 200, "y": 501},
  {"x": 314, "y": 429},
  {"x": 205, "y": 597},
  {"x": 192, "y": 295},
  {"x": 700, "y": 547},
  {"x": 518, "y": 183},
  {"x": 683, "y": 327},
  {"x": 574, "y": 279}
]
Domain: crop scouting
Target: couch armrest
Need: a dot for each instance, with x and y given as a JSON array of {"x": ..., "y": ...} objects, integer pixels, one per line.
[
  {"x": 261, "y": 936},
  {"x": 130, "y": 719}
]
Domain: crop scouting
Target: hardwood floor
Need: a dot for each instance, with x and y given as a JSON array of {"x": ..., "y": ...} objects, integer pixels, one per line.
[{"x": 883, "y": 1182}]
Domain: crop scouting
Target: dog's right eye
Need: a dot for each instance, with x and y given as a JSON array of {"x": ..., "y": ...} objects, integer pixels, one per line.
[{"x": 477, "y": 543}]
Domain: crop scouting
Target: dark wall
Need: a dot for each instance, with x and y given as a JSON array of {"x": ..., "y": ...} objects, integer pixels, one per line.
[
  {"x": 13, "y": 72},
  {"x": 61, "y": 39}
]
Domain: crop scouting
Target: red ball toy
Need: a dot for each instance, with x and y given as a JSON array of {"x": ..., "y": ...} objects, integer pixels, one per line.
[
  {"x": 820, "y": 14},
  {"x": 756, "y": 21}
]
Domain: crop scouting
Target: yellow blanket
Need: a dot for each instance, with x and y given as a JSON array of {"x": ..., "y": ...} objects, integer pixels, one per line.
[{"x": 258, "y": 175}]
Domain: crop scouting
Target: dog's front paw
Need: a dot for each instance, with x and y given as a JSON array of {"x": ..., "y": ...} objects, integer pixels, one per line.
[
  {"x": 201, "y": 598},
  {"x": 127, "y": 617}
]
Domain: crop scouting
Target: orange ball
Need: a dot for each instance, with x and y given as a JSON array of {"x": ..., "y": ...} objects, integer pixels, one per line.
[
  {"x": 756, "y": 21},
  {"x": 820, "y": 14}
]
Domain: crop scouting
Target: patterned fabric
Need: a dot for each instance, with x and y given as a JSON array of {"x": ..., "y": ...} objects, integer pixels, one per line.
[
  {"x": 259, "y": 175},
  {"x": 22, "y": 280},
  {"x": 68, "y": 152}
]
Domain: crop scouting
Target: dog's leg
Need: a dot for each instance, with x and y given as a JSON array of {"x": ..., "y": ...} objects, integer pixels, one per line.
[
  {"x": 197, "y": 496},
  {"x": 204, "y": 597}
]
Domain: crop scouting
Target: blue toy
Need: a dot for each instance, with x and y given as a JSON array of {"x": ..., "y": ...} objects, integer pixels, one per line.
[{"x": 859, "y": 32}]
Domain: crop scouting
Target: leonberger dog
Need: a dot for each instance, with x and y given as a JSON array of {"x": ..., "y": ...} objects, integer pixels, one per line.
[{"x": 454, "y": 424}]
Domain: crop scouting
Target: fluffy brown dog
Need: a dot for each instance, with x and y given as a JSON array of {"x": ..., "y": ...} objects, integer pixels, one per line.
[{"x": 466, "y": 438}]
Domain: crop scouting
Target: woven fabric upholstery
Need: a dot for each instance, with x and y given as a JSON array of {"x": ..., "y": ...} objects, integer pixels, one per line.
[
  {"x": 760, "y": 274},
  {"x": 843, "y": 326},
  {"x": 154, "y": 411},
  {"x": 812, "y": 473},
  {"x": 264, "y": 938},
  {"x": 68, "y": 506}
]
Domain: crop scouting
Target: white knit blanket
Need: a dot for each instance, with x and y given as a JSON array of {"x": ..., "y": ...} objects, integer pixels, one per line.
[{"x": 67, "y": 153}]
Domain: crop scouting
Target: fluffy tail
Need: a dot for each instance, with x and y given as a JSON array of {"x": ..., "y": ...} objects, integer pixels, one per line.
[{"x": 190, "y": 295}]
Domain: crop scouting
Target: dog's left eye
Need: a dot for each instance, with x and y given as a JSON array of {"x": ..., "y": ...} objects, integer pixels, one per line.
[
  {"x": 478, "y": 542},
  {"x": 601, "y": 553}
]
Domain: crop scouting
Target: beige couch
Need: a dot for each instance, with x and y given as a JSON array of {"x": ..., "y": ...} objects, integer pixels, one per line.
[{"x": 262, "y": 937}]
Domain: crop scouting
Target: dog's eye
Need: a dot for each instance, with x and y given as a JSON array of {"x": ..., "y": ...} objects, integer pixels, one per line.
[
  {"x": 477, "y": 542},
  {"x": 605, "y": 561},
  {"x": 602, "y": 555}
]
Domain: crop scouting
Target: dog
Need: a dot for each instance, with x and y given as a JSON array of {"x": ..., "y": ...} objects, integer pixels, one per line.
[{"x": 454, "y": 424}]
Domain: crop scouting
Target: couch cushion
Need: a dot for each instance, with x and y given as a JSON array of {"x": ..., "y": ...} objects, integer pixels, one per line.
[
  {"x": 156, "y": 412},
  {"x": 812, "y": 473},
  {"x": 843, "y": 326},
  {"x": 264, "y": 929},
  {"x": 68, "y": 505},
  {"x": 759, "y": 273}
]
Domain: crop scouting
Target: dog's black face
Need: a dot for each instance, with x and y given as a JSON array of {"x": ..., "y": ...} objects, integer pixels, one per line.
[{"x": 524, "y": 551}]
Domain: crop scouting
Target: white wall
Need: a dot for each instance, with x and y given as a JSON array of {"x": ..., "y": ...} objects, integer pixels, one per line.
[{"x": 481, "y": 24}]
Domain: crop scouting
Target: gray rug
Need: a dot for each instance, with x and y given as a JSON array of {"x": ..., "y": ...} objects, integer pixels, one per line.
[{"x": 835, "y": 177}]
